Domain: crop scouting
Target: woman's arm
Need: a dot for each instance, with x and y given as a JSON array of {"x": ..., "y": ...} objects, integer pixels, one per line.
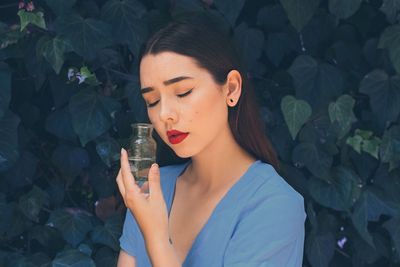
[
  {"x": 126, "y": 260},
  {"x": 162, "y": 253}
]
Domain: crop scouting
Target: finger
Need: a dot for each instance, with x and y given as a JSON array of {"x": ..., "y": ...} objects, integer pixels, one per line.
[
  {"x": 127, "y": 177},
  {"x": 154, "y": 181},
  {"x": 120, "y": 184}
]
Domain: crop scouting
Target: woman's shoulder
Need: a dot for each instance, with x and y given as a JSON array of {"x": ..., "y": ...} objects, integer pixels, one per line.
[{"x": 273, "y": 188}]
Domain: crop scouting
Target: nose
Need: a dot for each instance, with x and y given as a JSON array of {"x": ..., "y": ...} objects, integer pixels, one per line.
[{"x": 168, "y": 112}]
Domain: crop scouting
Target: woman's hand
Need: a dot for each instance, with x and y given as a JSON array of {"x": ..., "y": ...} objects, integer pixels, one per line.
[{"x": 149, "y": 209}]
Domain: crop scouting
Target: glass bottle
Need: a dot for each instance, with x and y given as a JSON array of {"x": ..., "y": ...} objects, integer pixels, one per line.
[{"x": 141, "y": 151}]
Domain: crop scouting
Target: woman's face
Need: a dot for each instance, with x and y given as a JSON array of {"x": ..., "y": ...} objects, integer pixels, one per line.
[{"x": 182, "y": 96}]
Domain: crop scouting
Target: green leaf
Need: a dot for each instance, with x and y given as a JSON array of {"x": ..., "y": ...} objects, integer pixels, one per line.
[
  {"x": 61, "y": 7},
  {"x": 59, "y": 123},
  {"x": 315, "y": 159},
  {"x": 32, "y": 202},
  {"x": 72, "y": 258},
  {"x": 391, "y": 9},
  {"x": 9, "y": 140},
  {"x": 250, "y": 41},
  {"x": 384, "y": 95},
  {"x": 390, "y": 39},
  {"x": 316, "y": 83},
  {"x": 320, "y": 249},
  {"x": 89, "y": 118},
  {"x": 300, "y": 12},
  {"x": 344, "y": 8},
  {"x": 5, "y": 88},
  {"x": 364, "y": 134},
  {"x": 74, "y": 224},
  {"x": 108, "y": 149},
  {"x": 393, "y": 226},
  {"x": 53, "y": 51},
  {"x": 341, "y": 111},
  {"x": 390, "y": 146},
  {"x": 125, "y": 18},
  {"x": 35, "y": 18},
  {"x": 369, "y": 207},
  {"x": 341, "y": 193},
  {"x": 372, "y": 146},
  {"x": 109, "y": 233},
  {"x": 296, "y": 113},
  {"x": 229, "y": 9},
  {"x": 89, "y": 77},
  {"x": 86, "y": 36}
]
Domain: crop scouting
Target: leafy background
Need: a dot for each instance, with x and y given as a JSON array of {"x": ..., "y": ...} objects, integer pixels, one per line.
[{"x": 327, "y": 77}]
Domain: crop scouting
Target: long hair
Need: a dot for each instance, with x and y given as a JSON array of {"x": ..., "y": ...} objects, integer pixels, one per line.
[{"x": 201, "y": 39}]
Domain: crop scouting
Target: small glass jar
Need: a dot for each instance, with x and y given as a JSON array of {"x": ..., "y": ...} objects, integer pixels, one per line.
[{"x": 141, "y": 151}]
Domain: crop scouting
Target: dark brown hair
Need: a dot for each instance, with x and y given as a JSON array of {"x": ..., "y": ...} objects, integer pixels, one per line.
[{"x": 201, "y": 39}]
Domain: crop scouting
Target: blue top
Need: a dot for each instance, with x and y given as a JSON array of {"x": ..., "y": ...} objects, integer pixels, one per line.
[{"x": 259, "y": 222}]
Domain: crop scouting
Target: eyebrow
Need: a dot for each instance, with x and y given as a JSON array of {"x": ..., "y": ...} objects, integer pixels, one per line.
[{"x": 166, "y": 83}]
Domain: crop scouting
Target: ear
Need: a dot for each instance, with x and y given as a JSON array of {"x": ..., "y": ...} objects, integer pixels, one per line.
[{"x": 233, "y": 88}]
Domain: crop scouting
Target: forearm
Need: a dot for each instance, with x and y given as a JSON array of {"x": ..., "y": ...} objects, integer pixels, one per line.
[{"x": 162, "y": 253}]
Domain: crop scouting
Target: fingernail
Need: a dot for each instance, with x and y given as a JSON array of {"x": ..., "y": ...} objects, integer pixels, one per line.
[
  {"x": 122, "y": 151},
  {"x": 154, "y": 166}
]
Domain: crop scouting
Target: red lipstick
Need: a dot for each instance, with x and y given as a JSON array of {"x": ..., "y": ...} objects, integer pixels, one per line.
[{"x": 175, "y": 136}]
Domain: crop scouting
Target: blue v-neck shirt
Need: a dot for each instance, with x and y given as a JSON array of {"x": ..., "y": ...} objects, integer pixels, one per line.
[{"x": 259, "y": 222}]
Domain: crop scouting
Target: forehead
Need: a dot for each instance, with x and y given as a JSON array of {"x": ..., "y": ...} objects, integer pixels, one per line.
[{"x": 167, "y": 65}]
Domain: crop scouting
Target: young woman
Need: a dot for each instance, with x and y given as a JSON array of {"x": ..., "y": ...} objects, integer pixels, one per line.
[{"x": 227, "y": 205}]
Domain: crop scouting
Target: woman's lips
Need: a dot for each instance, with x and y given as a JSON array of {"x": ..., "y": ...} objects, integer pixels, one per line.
[{"x": 176, "y": 139}]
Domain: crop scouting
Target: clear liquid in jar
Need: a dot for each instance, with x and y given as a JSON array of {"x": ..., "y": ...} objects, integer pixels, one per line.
[{"x": 140, "y": 168}]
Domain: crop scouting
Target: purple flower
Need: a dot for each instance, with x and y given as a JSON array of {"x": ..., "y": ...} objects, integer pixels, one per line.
[
  {"x": 30, "y": 6},
  {"x": 341, "y": 242},
  {"x": 21, "y": 5}
]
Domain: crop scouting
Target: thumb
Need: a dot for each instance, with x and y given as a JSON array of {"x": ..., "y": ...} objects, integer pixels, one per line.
[{"x": 154, "y": 180}]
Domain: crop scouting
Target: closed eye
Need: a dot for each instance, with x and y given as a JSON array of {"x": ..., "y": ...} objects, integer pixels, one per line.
[{"x": 181, "y": 95}]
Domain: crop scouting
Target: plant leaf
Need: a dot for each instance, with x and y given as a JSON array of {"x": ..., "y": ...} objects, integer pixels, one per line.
[
  {"x": 316, "y": 160},
  {"x": 35, "y": 18},
  {"x": 86, "y": 36},
  {"x": 296, "y": 113},
  {"x": 125, "y": 18},
  {"x": 9, "y": 140},
  {"x": 300, "y": 12},
  {"x": 320, "y": 249},
  {"x": 390, "y": 39},
  {"x": 73, "y": 258},
  {"x": 341, "y": 111},
  {"x": 60, "y": 7},
  {"x": 391, "y": 9},
  {"x": 89, "y": 118},
  {"x": 230, "y": 9},
  {"x": 109, "y": 233},
  {"x": 74, "y": 224},
  {"x": 384, "y": 95},
  {"x": 32, "y": 202},
  {"x": 344, "y": 8},
  {"x": 316, "y": 83}
]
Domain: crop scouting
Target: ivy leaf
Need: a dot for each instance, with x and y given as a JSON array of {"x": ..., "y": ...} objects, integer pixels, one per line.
[
  {"x": 391, "y": 9},
  {"x": 339, "y": 194},
  {"x": 108, "y": 149},
  {"x": 9, "y": 140},
  {"x": 59, "y": 123},
  {"x": 72, "y": 257},
  {"x": 342, "y": 112},
  {"x": 390, "y": 39},
  {"x": 125, "y": 19},
  {"x": 53, "y": 51},
  {"x": 86, "y": 36},
  {"x": 344, "y": 8},
  {"x": 316, "y": 83},
  {"x": 300, "y": 12},
  {"x": 70, "y": 160},
  {"x": 390, "y": 146},
  {"x": 32, "y": 202},
  {"x": 384, "y": 95},
  {"x": 296, "y": 113},
  {"x": 5, "y": 88},
  {"x": 74, "y": 224},
  {"x": 371, "y": 146},
  {"x": 369, "y": 207},
  {"x": 60, "y": 7},
  {"x": 393, "y": 226},
  {"x": 251, "y": 42},
  {"x": 35, "y": 18},
  {"x": 316, "y": 160},
  {"x": 109, "y": 233},
  {"x": 89, "y": 118},
  {"x": 230, "y": 9},
  {"x": 320, "y": 249}
]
